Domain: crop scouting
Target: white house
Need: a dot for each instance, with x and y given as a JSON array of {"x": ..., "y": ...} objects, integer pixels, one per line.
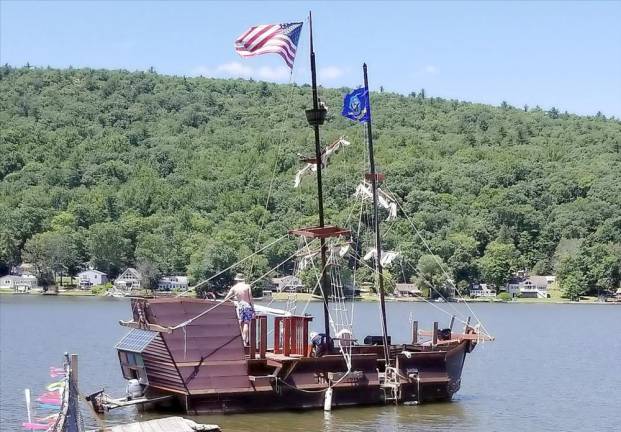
[
  {"x": 530, "y": 286},
  {"x": 129, "y": 280},
  {"x": 482, "y": 290},
  {"x": 288, "y": 284},
  {"x": 407, "y": 290},
  {"x": 20, "y": 284},
  {"x": 90, "y": 278},
  {"x": 168, "y": 283}
]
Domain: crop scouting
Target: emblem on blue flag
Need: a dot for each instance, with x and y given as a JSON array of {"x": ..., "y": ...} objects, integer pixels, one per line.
[{"x": 356, "y": 105}]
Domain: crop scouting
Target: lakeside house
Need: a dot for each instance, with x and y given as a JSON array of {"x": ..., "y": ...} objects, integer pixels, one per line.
[
  {"x": 407, "y": 290},
  {"x": 288, "y": 283},
  {"x": 618, "y": 295},
  {"x": 129, "y": 280},
  {"x": 91, "y": 278},
  {"x": 168, "y": 283},
  {"x": 526, "y": 286},
  {"x": 478, "y": 290},
  {"x": 20, "y": 284}
]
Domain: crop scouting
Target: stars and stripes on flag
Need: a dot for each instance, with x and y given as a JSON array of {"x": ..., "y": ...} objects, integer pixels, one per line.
[{"x": 281, "y": 39}]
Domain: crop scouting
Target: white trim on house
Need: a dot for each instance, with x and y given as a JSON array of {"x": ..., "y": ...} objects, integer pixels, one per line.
[{"x": 168, "y": 283}]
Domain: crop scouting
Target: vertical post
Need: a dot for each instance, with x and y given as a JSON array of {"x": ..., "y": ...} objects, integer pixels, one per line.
[
  {"x": 253, "y": 338},
  {"x": 434, "y": 340},
  {"x": 286, "y": 338},
  {"x": 73, "y": 364},
  {"x": 263, "y": 342},
  {"x": 323, "y": 280},
  {"x": 452, "y": 322},
  {"x": 378, "y": 241},
  {"x": 277, "y": 322},
  {"x": 294, "y": 335},
  {"x": 305, "y": 338},
  {"x": 467, "y": 325},
  {"x": 414, "y": 332}
]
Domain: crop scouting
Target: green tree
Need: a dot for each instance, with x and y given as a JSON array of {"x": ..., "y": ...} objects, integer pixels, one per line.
[
  {"x": 498, "y": 262},
  {"x": 108, "y": 248}
]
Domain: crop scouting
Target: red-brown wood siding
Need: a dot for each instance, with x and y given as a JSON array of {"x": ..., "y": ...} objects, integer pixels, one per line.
[
  {"x": 212, "y": 343},
  {"x": 161, "y": 370}
]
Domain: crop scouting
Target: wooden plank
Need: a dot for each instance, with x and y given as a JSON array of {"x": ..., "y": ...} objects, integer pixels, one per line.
[
  {"x": 263, "y": 341},
  {"x": 457, "y": 337}
]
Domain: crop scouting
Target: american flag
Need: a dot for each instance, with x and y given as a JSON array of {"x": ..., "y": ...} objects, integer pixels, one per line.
[{"x": 281, "y": 39}]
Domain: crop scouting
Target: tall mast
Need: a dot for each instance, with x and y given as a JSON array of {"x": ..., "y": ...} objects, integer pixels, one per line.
[
  {"x": 378, "y": 242},
  {"x": 315, "y": 117}
]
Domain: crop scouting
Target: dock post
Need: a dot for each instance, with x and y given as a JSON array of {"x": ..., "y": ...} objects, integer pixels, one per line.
[
  {"x": 414, "y": 332},
  {"x": 73, "y": 364},
  {"x": 452, "y": 322},
  {"x": 434, "y": 340},
  {"x": 467, "y": 325}
]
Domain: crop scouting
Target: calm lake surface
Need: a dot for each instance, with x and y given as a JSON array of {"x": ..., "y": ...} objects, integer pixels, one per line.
[{"x": 551, "y": 368}]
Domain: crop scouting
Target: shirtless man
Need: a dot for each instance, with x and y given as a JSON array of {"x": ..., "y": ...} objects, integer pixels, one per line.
[{"x": 245, "y": 305}]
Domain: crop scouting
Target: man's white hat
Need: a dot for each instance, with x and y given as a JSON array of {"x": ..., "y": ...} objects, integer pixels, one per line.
[{"x": 239, "y": 277}]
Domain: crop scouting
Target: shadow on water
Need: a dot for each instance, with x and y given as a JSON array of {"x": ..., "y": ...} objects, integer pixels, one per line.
[{"x": 450, "y": 415}]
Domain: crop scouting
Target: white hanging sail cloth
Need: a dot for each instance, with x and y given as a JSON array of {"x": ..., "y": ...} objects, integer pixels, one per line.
[
  {"x": 387, "y": 257},
  {"x": 364, "y": 191},
  {"x": 311, "y": 167}
]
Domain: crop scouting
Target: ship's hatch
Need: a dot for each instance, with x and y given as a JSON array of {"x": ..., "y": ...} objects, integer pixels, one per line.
[{"x": 130, "y": 349}]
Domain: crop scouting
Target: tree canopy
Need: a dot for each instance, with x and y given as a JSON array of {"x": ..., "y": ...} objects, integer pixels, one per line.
[{"x": 186, "y": 175}]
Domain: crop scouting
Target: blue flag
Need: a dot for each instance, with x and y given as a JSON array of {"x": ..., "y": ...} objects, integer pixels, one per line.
[{"x": 356, "y": 105}]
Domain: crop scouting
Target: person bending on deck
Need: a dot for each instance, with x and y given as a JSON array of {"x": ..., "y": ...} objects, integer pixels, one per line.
[{"x": 245, "y": 305}]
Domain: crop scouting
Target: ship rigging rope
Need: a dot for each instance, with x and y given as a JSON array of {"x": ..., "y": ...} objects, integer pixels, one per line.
[
  {"x": 418, "y": 233},
  {"x": 189, "y": 321},
  {"x": 288, "y": 106},
  {"x": 234, "y": 264}
]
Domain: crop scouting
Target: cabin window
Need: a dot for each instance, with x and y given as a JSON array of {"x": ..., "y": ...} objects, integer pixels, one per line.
[
  {"x": 130, "y": 349},
  {"x": 132, "y": 365}
]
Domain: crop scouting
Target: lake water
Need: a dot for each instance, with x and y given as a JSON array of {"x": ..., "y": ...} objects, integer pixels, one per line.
[{"x": 551, "y": 368}]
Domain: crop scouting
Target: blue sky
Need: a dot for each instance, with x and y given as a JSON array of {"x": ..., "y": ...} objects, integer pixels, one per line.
[{"x": 562, "y": 54}]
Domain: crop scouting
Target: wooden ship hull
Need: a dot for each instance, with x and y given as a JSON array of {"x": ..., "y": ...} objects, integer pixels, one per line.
[{"x": 207, "y": 369}]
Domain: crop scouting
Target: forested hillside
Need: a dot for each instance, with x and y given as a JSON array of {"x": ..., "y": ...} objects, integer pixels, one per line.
[{"x": 173, "y": 175}]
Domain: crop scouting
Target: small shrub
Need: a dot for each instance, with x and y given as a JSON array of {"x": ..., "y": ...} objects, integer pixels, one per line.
[{"x": 505, "y": 296}]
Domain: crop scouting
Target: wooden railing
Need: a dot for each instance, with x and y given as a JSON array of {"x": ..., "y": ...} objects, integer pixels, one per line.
[
  {"x": 291, "y": 335},
  {"x": 259, "y": 321}
]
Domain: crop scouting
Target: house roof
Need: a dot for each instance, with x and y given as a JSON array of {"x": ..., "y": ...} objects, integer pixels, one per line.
[
  {"x": 538, "y": 280},
  {"x": 409, "y": 287},
  {"x": 182, "y": 279},
  {"x": 288, "y": 278},
  {"x": 92, "y": 271},
  {"x": 132, "y": 271}
]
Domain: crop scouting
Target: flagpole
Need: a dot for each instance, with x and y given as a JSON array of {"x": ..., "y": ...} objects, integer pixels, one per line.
[
  {"x": 315, "y": 123},
  {"x": 378, "y": 244}
]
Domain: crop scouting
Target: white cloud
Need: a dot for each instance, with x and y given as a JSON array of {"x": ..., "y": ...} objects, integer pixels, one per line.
[
  {"x": 240, "y": 70},
  {"x": 430, "y": 69},
  {"x": 281, "y": 73},
  {"x": 330, "y": 73}
]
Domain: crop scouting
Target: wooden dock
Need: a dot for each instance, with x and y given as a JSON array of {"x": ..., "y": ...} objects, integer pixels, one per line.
[{"x": 168, "y": 424}]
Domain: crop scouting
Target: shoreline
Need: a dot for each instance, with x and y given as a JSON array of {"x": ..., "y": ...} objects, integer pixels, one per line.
[{"x": 305, "y": 297}]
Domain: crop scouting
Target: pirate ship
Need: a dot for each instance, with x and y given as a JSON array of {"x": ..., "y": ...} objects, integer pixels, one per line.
[{"x": 188, "y": 353}]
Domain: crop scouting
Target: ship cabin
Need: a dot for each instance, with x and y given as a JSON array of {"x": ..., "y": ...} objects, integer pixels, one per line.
[{"x": 192, "y": 349}]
